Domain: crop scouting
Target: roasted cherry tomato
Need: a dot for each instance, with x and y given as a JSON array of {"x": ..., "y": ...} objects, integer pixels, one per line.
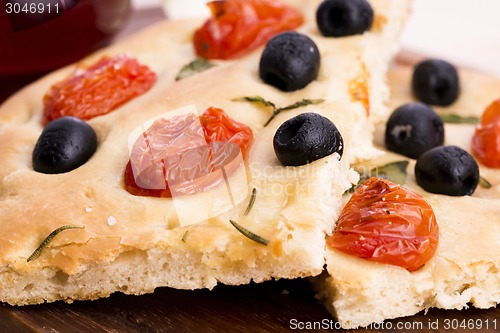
[
  {"x": 486, "y": 139},
  {"x": 240, "y": 26},
  {"x": 181, "y": 155},
  {"x": 219, "y": 127},
  {"x": 387, "y": 223},
  {"x": 99, "y": 89}
]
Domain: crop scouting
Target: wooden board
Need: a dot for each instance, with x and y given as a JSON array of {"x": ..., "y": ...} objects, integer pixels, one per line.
[{"x": 276, "y": 306}]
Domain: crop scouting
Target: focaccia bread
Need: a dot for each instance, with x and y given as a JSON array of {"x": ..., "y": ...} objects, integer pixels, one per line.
[
  {"x": 134, "y": 244},
  {"x": 465, "y": 268}
]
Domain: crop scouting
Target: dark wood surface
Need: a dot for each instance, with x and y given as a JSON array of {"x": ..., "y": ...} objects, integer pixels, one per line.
[
  {"x": 276, "y": 306},
  {"x": 268, "y": 307}
]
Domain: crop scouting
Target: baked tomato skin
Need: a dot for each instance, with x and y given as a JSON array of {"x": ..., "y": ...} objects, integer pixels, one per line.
[
  {"x": 387, "y": 223},
  {"x": 486, "y": 139},
  {"x": 97, "y": 90},
  {"x": 218, "y": 126},
  {"x": 239, "y": 26},
  {"x": 185, "y": 152}
]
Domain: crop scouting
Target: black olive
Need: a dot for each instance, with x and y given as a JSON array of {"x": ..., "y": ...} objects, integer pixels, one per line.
[
  {"x": 65, "y": 144},
  {"x": 306, "y": 138},
  {"x": 413, "y": 129},
  {"x": 435, "y": 82},
  {"x": 339, "y": 18},
  {"x": 290, "y": 61},
  {"x": 448, "y": 170}
]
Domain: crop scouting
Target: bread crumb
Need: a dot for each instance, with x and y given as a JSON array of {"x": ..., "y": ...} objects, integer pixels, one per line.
[{"x": 112, "y": 220}]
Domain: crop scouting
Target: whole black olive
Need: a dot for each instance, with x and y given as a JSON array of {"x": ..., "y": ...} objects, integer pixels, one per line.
[
  {"x": 65, "y": 144},
  {"x": 413, "y": 129},
  {"x": 448, "y": 170},
  {"x": 290, "y": 61},
  {"x": 339, "y": 18},
  {"x": 306, "y": 138},
  {"x": 435, "y": 82}
]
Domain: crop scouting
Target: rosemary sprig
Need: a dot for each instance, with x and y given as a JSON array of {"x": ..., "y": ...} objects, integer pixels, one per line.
[
  {"x": 276, "y": 110},
  {"x": 250, "y": 235},
  {"x": 252, "y": 201},
  {"x": 185, "y": 236},
  {"x": 196, "y": 66},
  {"x": 257, "y": 100},
  {"x": 456, "y": 119},
  {"x": 48, "y": 239},
  {"x": 484, "y": 183},
  {"x": 296, "y": 105}
]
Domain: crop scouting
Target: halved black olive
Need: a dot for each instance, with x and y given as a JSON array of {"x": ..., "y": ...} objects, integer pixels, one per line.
[
  {"x": 413, "y": 129},
  {"x": 339, "y": 18},
  {"x": 290, "y": 61},
  {"x": 448, "y": 170},
  {"x": 435, "y": 82},
  {"x": 65, "y": 144},
  {"x": 306, "y": 138}
]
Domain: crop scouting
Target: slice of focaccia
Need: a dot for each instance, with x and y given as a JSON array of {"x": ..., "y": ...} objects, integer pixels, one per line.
[
  {"x": 133, "y": 243},
  {"x": 464, "y": 269}
]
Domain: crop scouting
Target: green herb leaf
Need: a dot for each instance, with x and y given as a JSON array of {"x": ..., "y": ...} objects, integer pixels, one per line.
[
  {"x": 395, "y": 172},
  {"x": 301, "y": 103},
  {"x": 185, "y": 237},
  {"x": 196, "y": 66},
  {"x": 276, "y": 111},
  {"x": 456, "y": 119},
  {"x": 296, "y": 105},
  {"x": 250, "y": 235},
  {"x": 48, "y": 239},
  {"x": 484, "y": 183},
  {"x": 252, "y": 201},
  {"x": 256, "y": 99}
]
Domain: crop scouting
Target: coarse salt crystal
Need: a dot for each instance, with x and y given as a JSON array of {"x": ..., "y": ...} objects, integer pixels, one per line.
[
  {"x": 88, "y": 209},
  {"x": 112, "y": 220}
]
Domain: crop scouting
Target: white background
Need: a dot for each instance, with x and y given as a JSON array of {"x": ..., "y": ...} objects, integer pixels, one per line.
[{"x": 466, "y": 32}]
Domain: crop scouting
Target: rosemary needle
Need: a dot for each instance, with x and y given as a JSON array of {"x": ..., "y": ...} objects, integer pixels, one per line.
[
  {"x": 252, "y": 201},
  {"x": 247, "y": 233},
  {"x": 48, "y": 239}
]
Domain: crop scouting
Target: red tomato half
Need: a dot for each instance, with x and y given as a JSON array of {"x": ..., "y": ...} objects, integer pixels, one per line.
[
  {"x": 239, "y": 26},
  {"x": 486, "y": 139},
  {"x": 387, "y": 223},
  {"x": 97, "y": 90},
  {"x": 181, "y": 155}
]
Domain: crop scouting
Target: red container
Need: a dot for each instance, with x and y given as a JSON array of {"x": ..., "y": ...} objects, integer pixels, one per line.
[{"x": 39, "y": 36}]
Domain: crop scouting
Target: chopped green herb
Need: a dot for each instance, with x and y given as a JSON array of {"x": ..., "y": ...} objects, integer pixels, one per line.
[
  {"x": 250, "y": 235},
  {"x": 185, "y": 237},
  {"x": 484, "y": 183},
  {"x": 395, "y": 172},
  {"x": 456, "y": 119},
  {"x": 48, "y": 239},
  {"x": 196, "y": 66},
  {"x": 276, "y": 111}
]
